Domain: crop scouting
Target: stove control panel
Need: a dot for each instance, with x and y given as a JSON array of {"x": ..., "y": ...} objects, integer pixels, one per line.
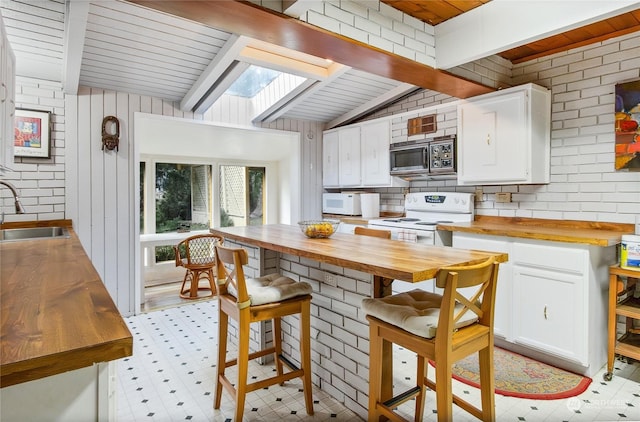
[{"x": 456, "y": 202}]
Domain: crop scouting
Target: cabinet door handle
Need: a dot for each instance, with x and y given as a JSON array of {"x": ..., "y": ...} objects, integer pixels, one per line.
[
  {"x": 545, "y": 312},
  {"x": 488, "y": 139}
]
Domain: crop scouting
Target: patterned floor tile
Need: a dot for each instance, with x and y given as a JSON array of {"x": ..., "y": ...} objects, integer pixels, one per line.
[{"x": 170, "y": 377}]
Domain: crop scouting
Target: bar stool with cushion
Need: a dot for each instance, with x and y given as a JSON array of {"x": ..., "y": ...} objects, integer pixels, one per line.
[
  {"x": 248, "y": 300},
  {"x": 443, "y": 329},
  {"x": 199, "y": 261}
]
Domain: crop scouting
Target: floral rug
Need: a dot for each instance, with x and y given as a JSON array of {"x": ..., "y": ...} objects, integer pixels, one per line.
[{"x": 520, "y": 376}]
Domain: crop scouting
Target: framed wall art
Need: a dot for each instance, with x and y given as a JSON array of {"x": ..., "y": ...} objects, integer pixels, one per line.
[
  {"x": 32, "y": 131},
  {"x": 627, "y": 118}
]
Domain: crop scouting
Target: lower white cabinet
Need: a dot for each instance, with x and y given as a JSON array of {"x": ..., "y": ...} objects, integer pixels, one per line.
[
  {"x": 552, "y": 298},
  {"x": 502, "y": 325},
  {"x": 550, "y": 286},
  {"x": 85, "y": 394}
]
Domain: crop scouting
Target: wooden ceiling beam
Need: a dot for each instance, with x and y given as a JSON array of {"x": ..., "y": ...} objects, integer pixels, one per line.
[{"x": 250, "y": 20}]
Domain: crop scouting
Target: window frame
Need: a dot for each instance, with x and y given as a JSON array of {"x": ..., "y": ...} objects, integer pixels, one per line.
[{"x": 271, "y": 192}]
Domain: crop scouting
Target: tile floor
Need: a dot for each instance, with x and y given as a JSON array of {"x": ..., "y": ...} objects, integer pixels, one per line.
[{"x": 170, "y": 377}]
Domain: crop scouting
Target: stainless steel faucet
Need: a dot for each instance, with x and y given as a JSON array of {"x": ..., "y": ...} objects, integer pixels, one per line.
[{"x": 19, "y": 208}]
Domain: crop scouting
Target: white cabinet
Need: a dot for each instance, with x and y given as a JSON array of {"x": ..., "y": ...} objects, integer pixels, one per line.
[
  {"x": 349, "y": 158},
  {"x": 550, "y": 286},
  {"x": 504, "y": 137},
  {"x": 7, "y": 99},
  {"x": 552, "y": 298},
  {"x": 375, "y": 138},
  {"x": 503, "y": 312},
  {"x": 330, "y": 154},
  {"x": 341, "y": 157},
  {"x": 358, "y": 156},
  {"x": 85, "y": 394}
]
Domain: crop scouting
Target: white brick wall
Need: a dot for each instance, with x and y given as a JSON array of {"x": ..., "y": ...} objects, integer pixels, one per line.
[
  {"x": 340, "y": 352},
  {"x": 376, "y": 24},
  {"x": 584, "y": 183},
  {"x": 40, "y": 181}
]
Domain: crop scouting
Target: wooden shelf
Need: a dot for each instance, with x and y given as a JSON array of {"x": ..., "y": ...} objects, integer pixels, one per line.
[
  {"x": 629, "y": 308},
  {"x": 622, "y": 303},
  {"x": 629, "y": 345}
]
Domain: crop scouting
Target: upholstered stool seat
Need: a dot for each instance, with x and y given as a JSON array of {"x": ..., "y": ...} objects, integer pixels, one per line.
[
  {"x": 273, "y": 288},
  {"x": 442, "y": 328},
  {"x": 416, "y": 311},
  {"x": 249, "y": 300}
]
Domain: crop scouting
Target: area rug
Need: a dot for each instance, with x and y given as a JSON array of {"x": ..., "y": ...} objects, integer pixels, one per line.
[{"x": 523, "y": 377}]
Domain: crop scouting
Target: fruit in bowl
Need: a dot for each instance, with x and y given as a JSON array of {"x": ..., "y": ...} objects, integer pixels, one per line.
[{"x": 319, "y": 229}]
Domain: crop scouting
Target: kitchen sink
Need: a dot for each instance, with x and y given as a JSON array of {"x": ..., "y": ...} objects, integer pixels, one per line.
[{"x": 33, "y": 233}]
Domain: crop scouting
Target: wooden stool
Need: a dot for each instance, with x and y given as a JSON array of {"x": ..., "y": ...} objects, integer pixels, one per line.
[
  {"x": 365, "y": 231},
  {"x": 199, "y": 263},
  {"x": 251, "y": 300},
  {"x": 443, "y": 329}
]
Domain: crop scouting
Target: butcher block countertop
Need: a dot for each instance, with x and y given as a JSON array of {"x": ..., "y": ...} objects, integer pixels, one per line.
[
  {"x": 570, "y": 231},
  {"x": 56, "y": 314},
  {"x": 391, "y": 259}
]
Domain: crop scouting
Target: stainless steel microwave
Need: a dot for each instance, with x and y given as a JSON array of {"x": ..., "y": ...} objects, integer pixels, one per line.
[{"x": 414, "y": 160}]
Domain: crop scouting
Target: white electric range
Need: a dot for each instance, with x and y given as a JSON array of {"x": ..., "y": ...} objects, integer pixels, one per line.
[{"x": 423, "y": 212}]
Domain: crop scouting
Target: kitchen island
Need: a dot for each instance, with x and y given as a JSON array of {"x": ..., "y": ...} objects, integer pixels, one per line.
[
  {"x": 343, "y": 270},
  {"x": 60, "y": 331}
]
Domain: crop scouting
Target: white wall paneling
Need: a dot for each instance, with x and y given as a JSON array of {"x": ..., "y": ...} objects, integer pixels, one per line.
[{"x": 102, "y": 184}]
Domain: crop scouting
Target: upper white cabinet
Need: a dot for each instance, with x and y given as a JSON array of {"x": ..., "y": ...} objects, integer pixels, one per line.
[
  {"x": 358, "y": 156},
  {"x": 7, "y": 99},
  {"x": 349, "y": 158},
  {"x": 330, "y": 154},
  {"x": 375, "y": 153},
  {"x": 504, "y": 137}
]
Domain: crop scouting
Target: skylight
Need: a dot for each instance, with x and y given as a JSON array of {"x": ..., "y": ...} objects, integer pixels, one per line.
[{"x": 252, "y": 81}]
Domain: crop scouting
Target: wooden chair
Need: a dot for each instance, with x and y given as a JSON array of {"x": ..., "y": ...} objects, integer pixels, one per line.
[
  {"x": 270, "y": 297},
  {"x": 199, "y": 261},
  {"x": 385, "y": 234},
  {"x": 443, "y": 329}
]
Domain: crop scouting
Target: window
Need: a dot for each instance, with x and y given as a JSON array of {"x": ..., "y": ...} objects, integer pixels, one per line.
[
  {"x": 182, "y": 197},
  {"x": 252, "y": 81},
  {"x": 241, "y": 195}
]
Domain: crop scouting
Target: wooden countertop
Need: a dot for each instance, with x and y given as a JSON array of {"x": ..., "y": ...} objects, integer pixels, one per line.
[
  {"x": 381, "y": 257},
  {"x": 56, "y": 314},
  {"x": 570, "y": 231}
]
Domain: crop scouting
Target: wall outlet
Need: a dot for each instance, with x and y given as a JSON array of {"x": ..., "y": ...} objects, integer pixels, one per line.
[
  {"x": 503, "y": 197},
  {"x": 479, "y": 195}
]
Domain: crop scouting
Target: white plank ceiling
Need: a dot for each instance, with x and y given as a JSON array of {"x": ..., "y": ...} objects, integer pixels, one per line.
[
  {"x": 128, "y": 48},
  {"x": 120, "y": 46}
]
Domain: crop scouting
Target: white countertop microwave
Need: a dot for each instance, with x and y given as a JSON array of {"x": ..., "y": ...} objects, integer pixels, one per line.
[{"x": 341, "y": 203}]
